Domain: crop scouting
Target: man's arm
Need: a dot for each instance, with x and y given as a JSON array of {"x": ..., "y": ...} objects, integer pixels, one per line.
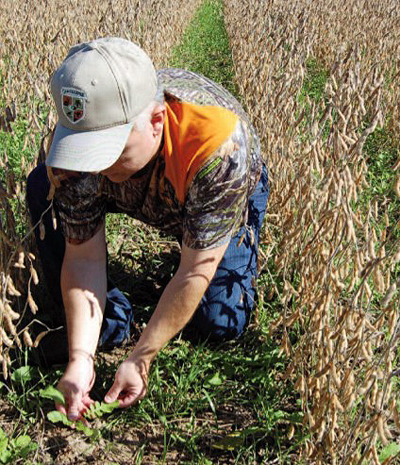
[
  {"x": 84, "y": 286},
  {"x": 176, "y": 306}
]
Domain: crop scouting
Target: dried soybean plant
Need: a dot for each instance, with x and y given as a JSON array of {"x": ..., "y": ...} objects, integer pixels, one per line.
[
  {"x": 333, "y": 239},
  {"x": 37, "y": 35},
  {"x": 35, "y": 38}
]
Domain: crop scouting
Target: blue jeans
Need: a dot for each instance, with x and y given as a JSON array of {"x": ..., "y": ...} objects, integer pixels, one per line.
[{"x": 225, "y": 308}]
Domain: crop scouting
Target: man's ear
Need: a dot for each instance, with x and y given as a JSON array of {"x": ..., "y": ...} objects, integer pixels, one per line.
[{"x": 158, "y": 116}]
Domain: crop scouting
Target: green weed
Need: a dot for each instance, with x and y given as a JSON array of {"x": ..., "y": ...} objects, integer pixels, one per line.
[
  {"x": 15, "y": 449},
  {"x": 205, "y": 46}
]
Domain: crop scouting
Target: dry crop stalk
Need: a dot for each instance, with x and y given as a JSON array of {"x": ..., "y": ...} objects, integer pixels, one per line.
[{"x": 318, "y": 173}]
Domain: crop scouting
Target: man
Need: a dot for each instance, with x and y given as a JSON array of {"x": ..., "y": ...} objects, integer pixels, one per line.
[{"x": 174, "y": 150}]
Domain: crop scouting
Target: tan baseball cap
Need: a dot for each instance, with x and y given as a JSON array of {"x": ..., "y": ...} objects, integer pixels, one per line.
[{"x": 99, "y": 89}]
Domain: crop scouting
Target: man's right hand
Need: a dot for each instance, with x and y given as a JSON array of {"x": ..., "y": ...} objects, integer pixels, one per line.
[{"x": 75, "y": 385}]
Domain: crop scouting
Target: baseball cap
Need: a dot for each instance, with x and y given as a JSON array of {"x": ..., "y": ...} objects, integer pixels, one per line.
[{"x": 98, "y": 90}]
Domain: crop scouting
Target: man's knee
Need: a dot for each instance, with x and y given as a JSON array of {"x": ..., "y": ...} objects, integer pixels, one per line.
[{"x": 219, "y": 321}]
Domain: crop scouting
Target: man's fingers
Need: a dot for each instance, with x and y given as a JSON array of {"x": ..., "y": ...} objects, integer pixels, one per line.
[
  {"x": 87, "y": 401},
  {"x": 128, "y": 399},
  {"x": 61, "y": 408},
  {"x": 74, "y": 409},
  {"x": 113, "y": 393}
]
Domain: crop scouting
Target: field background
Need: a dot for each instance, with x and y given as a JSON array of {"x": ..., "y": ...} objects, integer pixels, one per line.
[{"x": 314, "y": 380}]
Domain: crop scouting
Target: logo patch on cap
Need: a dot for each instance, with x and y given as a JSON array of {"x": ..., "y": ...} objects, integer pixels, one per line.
[{"x": 73, "y": 103}]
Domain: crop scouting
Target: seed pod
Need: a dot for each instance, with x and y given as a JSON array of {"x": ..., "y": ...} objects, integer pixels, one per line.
[
  {"x": 32, "y": 304},
  {"x": 321, "y": 431},
  {"x": 292, "y": 319},
  {"x": 11, "y": 289},
  {"x": 54, "y": 221},
  {"x": 20, "y": 262},
  {"x": 34, "y": 275},
  {"x": 42, "y": 231},
  {"x": 349, "y": 402},
  {"x": 365, "y": 353},
  {"x": 27, "y": 338},
  {"x": 291, "y": 432},
  {"x": 300, "y": 385},
  {"x": 396, "y": 257},
  {"x": 10, "y": 311},
  {"x": 337, "y": 403},
  {"x": 5, "y": 339},
  {"x": 311, "y": 420},
  {"x": 368, "y": 291},
  {"x": 284, "y": 345},
  {"x": 39, "y": 337},
  {"x": 289, "y": 370},
  {"x": 5, "y": 368},
  {"x": 8, "y": 324},
  {"x": 395, "y": 413},
  {"x": 388, "y": 296},
  {"x": 381, "y": 431},
  {"x": 397, "y": 186},
  {"x": 17, "y": 340}
]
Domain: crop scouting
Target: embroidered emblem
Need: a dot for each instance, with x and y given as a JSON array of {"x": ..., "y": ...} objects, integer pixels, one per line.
[{"x": 73, "y": 103}]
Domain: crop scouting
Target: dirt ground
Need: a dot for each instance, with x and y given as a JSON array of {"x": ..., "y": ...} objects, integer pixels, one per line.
[{"x": 61, "y": 445}]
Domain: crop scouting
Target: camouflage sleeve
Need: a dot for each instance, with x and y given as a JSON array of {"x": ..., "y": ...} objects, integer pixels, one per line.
[
  {"x": 81, "y": 209},
  {"x": 216, "y": 203}
]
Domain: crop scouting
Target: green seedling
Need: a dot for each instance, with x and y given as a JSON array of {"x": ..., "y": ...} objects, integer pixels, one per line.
[
  {"x": 12, "y": 450},
  {"x": 392, "y": 450},
  {"x": 96, "y": 410}
]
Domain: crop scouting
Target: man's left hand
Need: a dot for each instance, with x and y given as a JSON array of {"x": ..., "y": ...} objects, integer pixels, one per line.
[{"x": 130, "y": 384}]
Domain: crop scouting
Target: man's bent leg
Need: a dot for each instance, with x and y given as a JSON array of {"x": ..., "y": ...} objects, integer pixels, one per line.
[{"x": 225, "y": 309}]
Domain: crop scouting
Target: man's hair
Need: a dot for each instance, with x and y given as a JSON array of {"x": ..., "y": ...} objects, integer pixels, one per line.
[{"x": 143, "y": 118}]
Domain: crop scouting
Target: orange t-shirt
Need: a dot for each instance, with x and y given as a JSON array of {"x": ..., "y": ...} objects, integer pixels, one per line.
[{"x": 192, "y": 133}]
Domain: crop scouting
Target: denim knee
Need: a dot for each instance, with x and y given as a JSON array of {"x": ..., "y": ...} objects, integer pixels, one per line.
[{"x": 226, "y": 318}]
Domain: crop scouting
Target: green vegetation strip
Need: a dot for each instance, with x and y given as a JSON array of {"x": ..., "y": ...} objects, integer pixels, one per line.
[{"x": 205, "y": 46}]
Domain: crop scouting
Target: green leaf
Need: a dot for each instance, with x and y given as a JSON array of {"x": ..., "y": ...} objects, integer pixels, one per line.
[
  {"x": 252, "y": 431},
  {"x": 55, "y": 417},
  {"x": 24, "y": 452},
  {"x": 230, "y": 442},
  {"x": 5, "y": 456},
  {"x": 278, "y": 415},
  {"x": 296, "y": 417},
  {"x": 390, "y": 450},
  {"x": 108, "y": 408},
  {"x": 80, "y": 426},
  {"x": 215, "y": 380},
  {"x": 3, "y": 444},
  {"x": 97, "y": 409},
  {"x": 22, "y": 441},
  {"x": 53, "y": 394},
  {"x": 22, "y": 374}
]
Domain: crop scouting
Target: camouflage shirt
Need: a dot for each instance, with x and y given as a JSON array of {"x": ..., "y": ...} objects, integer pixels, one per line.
[{"x": 215, "y": 203}]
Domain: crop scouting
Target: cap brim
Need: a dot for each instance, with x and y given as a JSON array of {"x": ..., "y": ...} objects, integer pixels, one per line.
[{"x": 87, "y": 150}]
